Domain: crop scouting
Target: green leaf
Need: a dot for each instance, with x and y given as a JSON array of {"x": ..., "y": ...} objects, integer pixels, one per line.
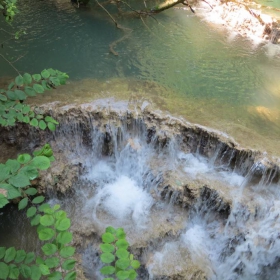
[
  {"x": 30, "y": 91},
  {"x": 122, "y": 243},
  {"x": 55, "y": 81},
  {"x": 71, "y": 276},
  {"x": 24, "y": 158},
  {"x": 67, "y": 252},
  {"x": 49, "y": 249},
  {"x": 120, "y": 233},
  {"x": 39, "y": 260},
  {"x": 20, "y": 95},
  {"x": 26, "y": 119},
  {"x": 25, "y": 271},
  {"x": 107, "y": 257},
  {"x": 60, "y": 215},
  {"x": 11, "y": 95},
  {"x": 10, "y": 254},
  {"x": 2, "y": 252},
  {"x": 107, "y": 248},
  {"x": 132, "y": 274},
  {"x": 55, "y": 276},
  {"x": 3, "y": 201},
  {"x": 135, "y": 264},
  {"x": 14, "y": 272},
  {"x": 45, "y": 74},
  {"x": 41, "y": 162},
  {"x": 46, "y": 234},
  {"x": 30, "y": 257},
  {"x": 35, "y": 272},
  {"x": 49, "y": 211},
  {"x": 123, "y": 263},
  {"x": 23, "y": 203},
  {"x": 13, "y": 165},
  {"x": 20, "y": 256},
  {"x": 34, "y": 122},
  {"x": 38, "y": 199},
  {"x": 64, "y": 237},
  {"x": 110, "y": 230},
  {"x": 20, "y": 180},
  {"x": 12, "y": 191},
  {"x": 62, "y": 224},
  {"x": 38, "y": 88},
  {"x": 36, "y": 220},
  {"x": 18, "y": 106},
  {"x": 31, "y": 172},
  {"x": 50, "y": 119},
  {"x": 27, "y": 79},
  {"x": 107, "y": 270},
  {"x": 51, "y": 126},
  {"x": 19, "y": 80},
  {"x": 69, "y": 264},
  {"x": 44, "y": 269},
  {"x": 31, "y": 191},
  {"x": 4, "y": 271},
  {"x": 36, "y": 77},
  {"x": 3, "y": 97},
  {"x": 4, "y": 172},
  {"x": 45, "y": 85},
  {"x": 42, "y": 125},
  {"x": 56, "y": 207},
  {"x": 11, "y": 85},
  {"x": 122, "y": 254},
  {"x": 52, "y": 262},
  {"x": 122, "y": 275},
  {"x": 52, "y": 72},
  {"x": 108, "y": 237},
  {"x": 44, "y": 206},
  {"x": 31, "y": 212},
  {"x": 47, "y": 220}
]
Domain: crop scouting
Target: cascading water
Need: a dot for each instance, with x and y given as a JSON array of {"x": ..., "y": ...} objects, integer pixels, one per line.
[{"x": 193, "y": 206}]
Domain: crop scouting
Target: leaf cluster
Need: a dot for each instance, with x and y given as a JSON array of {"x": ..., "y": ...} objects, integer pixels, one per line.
[
  {"x": 119, "y": 262},
  {"x": 9, "y": 9},
  {"x": 16, "y": 175},
  {"x": 12, "y": 108},
  {"x": 56, "y": 262}
]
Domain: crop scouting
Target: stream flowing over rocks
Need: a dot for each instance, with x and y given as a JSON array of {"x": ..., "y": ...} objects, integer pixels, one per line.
[
  {"x": 241, "y": 17},
  {"x": 194, "y": 204}
]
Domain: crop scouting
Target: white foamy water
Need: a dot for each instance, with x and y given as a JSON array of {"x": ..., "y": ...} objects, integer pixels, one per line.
[
  {"x": 123, "y": 199},
  {"x": 120, "y": 188}
]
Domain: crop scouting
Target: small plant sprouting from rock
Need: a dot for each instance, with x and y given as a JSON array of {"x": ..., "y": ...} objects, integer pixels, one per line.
[{"x": 119, "y": 263}]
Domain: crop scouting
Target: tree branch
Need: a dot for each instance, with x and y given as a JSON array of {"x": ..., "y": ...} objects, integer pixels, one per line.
[{"x": 11, "y": 64}]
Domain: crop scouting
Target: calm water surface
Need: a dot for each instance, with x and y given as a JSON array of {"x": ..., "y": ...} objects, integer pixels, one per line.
[{"x": 179, "y": 62}]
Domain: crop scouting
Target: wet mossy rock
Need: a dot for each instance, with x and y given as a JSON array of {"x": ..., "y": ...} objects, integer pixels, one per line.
[{"x": 78, "y": 123}]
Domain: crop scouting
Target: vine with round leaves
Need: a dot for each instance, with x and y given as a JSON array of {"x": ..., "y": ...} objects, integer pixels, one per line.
[
  {"x": 119, "y": 262},
  {"x": 56, "y": 261},
  {"x": 12, "y": 108}
]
